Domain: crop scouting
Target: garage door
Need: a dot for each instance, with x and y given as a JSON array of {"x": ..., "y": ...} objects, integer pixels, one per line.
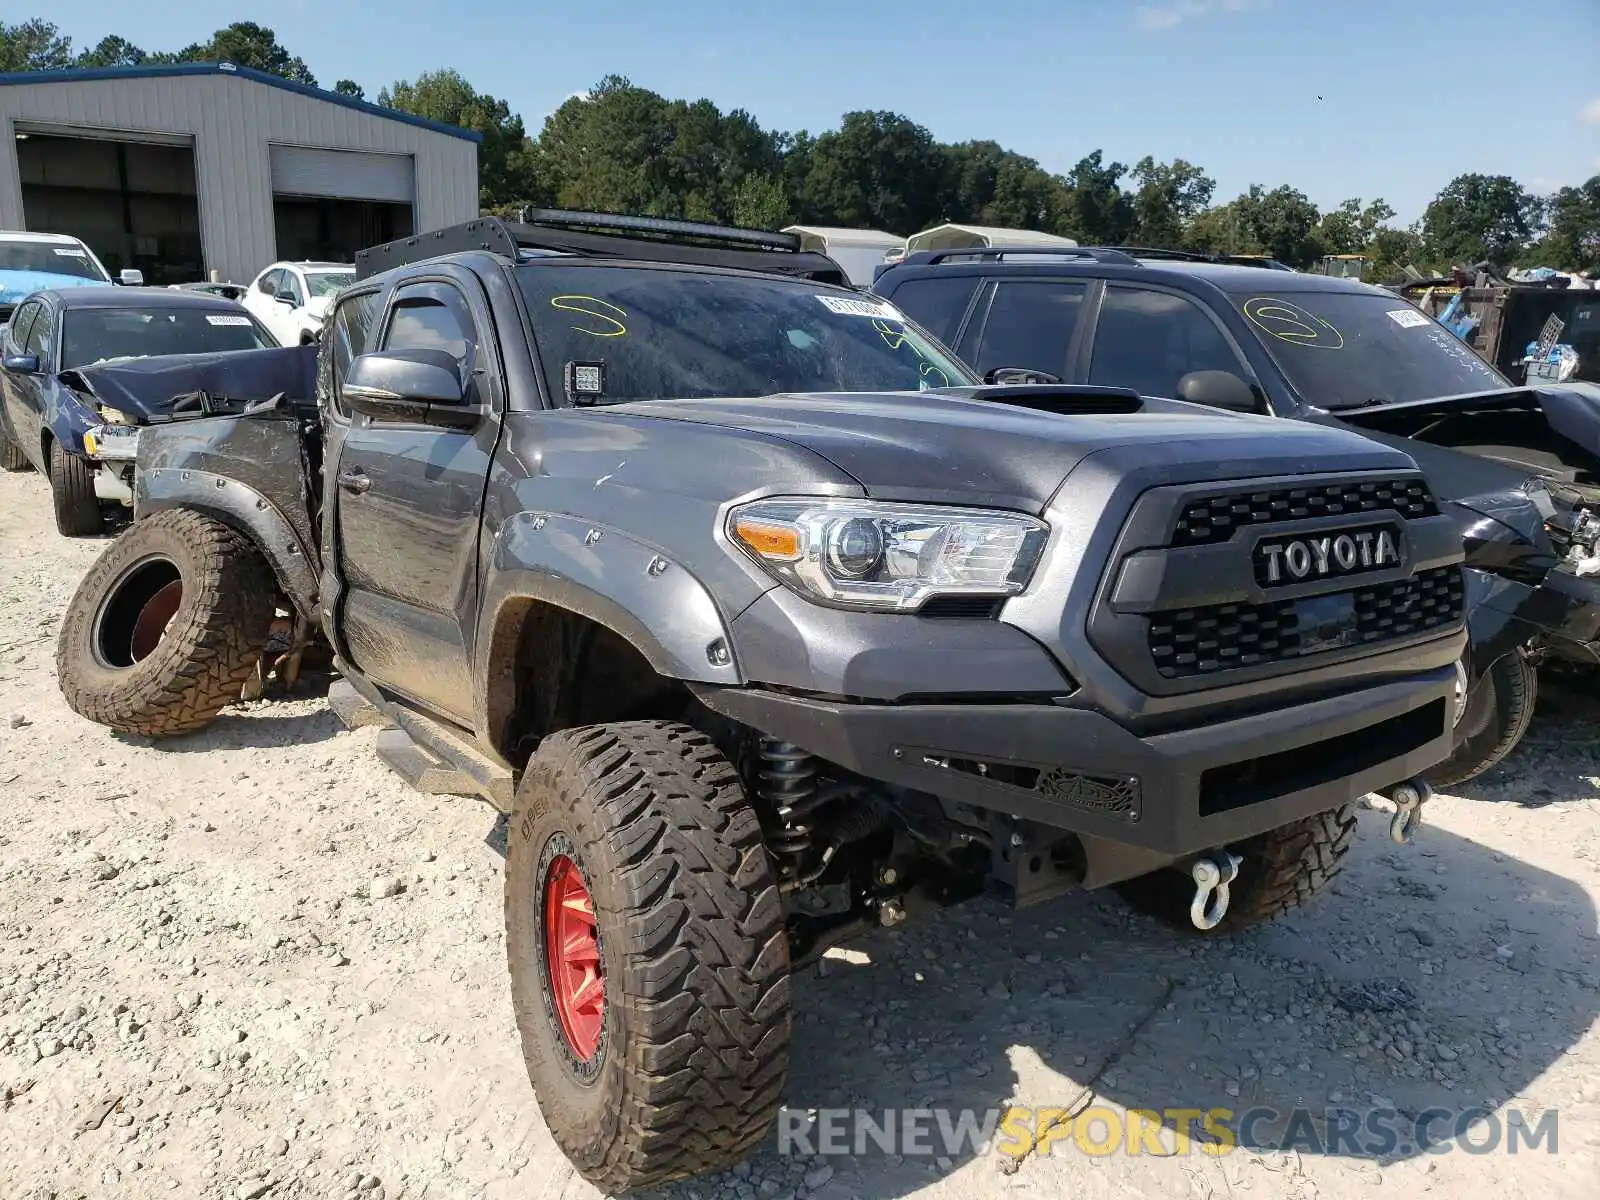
[{"x": 342, "y": 174}]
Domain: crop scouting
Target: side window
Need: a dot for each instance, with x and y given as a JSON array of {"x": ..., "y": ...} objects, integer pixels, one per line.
[
  {"x": 40, "y": 336},
  {"x": 289, "y": 287},
  {"x": 1149, "y": 340},
  {"x": 937, "y": 303},
  {"x": 17, "y": 330},
  {"x": 432, "y": 316},
  {"x": 1031, "y": 322},
  {"x": 353, "y": 328}
]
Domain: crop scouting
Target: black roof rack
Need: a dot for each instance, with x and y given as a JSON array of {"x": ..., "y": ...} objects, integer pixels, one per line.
[
  {"x": 610, "y": 235},
  {"x": 1100, "y": 254},
  {"x": 661, "y": 227},
  {"x": 1172, "y": 255}
]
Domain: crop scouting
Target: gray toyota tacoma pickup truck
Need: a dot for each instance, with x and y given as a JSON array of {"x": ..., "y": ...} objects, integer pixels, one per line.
[{"x": 765, "y": 623}]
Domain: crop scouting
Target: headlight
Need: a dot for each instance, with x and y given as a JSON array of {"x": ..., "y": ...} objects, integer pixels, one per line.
[
  {"x": 115, "y": 416},
  {"x": 112, "y": 443},
  {"x": 888, "y": 557}
]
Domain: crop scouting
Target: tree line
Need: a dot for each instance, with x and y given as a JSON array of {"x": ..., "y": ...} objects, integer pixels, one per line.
[{"x": 623, "y": 148}]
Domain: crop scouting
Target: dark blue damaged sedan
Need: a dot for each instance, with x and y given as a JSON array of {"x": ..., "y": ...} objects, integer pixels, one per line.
[{"x": 47, "y": 407}]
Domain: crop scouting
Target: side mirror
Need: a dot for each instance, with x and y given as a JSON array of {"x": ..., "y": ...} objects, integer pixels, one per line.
[
  {"x": 419, "y": 386},
  {"x": 21, "y": 364},
  {"x": 1019, "y": 375},
  {"x": 131, "y": 277},
  {"x": 1218, "y": 389},
  {"x": 282, "y": 299}
]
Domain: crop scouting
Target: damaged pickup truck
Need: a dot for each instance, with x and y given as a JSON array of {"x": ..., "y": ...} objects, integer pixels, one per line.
[{"x": 765, "y": 623}]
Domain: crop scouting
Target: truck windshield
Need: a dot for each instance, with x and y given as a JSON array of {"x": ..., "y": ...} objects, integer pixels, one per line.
[
  {"x": 659, "y": 333},
  {"x": 55, "y": 258},
  {"x": 1348, "y": 349},
  {"x": 91, "y": 335}
]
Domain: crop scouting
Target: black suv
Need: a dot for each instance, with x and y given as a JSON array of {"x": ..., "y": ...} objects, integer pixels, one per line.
[{"x": 1519, "y": 466}]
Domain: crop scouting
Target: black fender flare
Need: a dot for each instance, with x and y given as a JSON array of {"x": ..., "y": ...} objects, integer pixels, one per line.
[
  {"x": 244, "y": 508},
  {"x": 633, "y": 589}
]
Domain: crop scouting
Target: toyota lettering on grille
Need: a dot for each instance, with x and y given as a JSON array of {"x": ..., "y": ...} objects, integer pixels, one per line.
[{"x": 1285, "y": 560}]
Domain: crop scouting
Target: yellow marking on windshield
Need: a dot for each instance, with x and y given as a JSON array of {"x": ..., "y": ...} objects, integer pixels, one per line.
[
  {"x": 577, "y": 304},
  {"x": 1288, "y": 322},
  {"x": 894, "y": 338}
]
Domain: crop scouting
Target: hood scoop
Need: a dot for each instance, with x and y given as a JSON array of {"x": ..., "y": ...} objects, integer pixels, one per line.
[{"x": 1068, "y": 399}]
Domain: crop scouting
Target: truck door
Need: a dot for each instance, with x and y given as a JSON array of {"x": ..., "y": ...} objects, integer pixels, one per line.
[{"x": 402, "y": 501}]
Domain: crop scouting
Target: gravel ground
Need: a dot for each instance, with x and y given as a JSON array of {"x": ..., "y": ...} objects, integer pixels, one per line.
[{"x": 253, "y": 963}]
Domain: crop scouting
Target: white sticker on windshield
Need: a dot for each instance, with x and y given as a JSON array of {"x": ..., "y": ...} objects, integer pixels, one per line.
[
  {"x": 70, "y": 252},
  {"x": 1408, "y": 318},
  {"x": 848, "y": 306},
  {"x": 226, "y": 319}
]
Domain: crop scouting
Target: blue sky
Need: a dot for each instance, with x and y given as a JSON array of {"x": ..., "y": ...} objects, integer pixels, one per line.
[{"x": 1412, "y": 92}]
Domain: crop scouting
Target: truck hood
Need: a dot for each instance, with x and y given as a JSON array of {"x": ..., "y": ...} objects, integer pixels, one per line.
[
  {"x": 1013, "y": 446},
  {"x": 15, "y": 286}
]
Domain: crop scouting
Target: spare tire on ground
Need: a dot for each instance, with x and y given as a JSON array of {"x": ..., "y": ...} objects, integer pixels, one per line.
[{"x": 167, "y": 626}]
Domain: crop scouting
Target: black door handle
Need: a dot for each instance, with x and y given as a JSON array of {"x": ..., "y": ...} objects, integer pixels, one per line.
[{"x": 355, "y": 481}]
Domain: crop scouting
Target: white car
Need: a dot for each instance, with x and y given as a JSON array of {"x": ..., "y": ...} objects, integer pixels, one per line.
[{"x": 292, "y": 299}]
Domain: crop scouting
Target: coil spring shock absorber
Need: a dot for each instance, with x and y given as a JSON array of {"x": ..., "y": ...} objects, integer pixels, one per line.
[{"x": 786, "y": 779}]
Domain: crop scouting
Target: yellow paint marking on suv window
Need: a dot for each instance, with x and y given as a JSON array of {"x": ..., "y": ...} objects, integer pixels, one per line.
[
  {"x": 1288, "y": 322},
  {"x": 590, "y": 306}
]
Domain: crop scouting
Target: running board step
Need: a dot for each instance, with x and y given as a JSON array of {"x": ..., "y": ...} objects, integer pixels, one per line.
[
  {"x": 419, "y": 768},
  {"x": 447, "y": 748},
  {"x": 352, "y": 708}
]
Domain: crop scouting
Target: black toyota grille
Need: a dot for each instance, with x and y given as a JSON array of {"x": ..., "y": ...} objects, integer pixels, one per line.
[
  {"x": 1428, "y": 600},
  {"x": 1214, "y": 519},
  {"x": 1224, "y": 637}
]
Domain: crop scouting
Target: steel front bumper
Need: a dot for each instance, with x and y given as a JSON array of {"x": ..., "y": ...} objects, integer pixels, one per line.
[{"x": 1172, "y": 793}]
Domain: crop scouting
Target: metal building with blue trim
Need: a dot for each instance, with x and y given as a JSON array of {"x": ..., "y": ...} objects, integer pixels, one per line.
[{"x": 198, "y": 170}]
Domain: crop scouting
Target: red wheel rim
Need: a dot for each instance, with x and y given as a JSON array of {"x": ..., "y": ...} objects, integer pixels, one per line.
[
  {"x": 572, "y": 956},
  {"x": 151, "y": 623}
]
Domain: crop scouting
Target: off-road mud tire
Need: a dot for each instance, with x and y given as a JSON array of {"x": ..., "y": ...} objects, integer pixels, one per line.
[
  {"x": 11, "y": 456},
  {"x": 1498, "y": 712},
  {"x": 78, "y": 511},
  {"x": 694, "y": 1046},
  {"x": 1281, "y": 869},
  {"x": 211, "y": 644}
]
